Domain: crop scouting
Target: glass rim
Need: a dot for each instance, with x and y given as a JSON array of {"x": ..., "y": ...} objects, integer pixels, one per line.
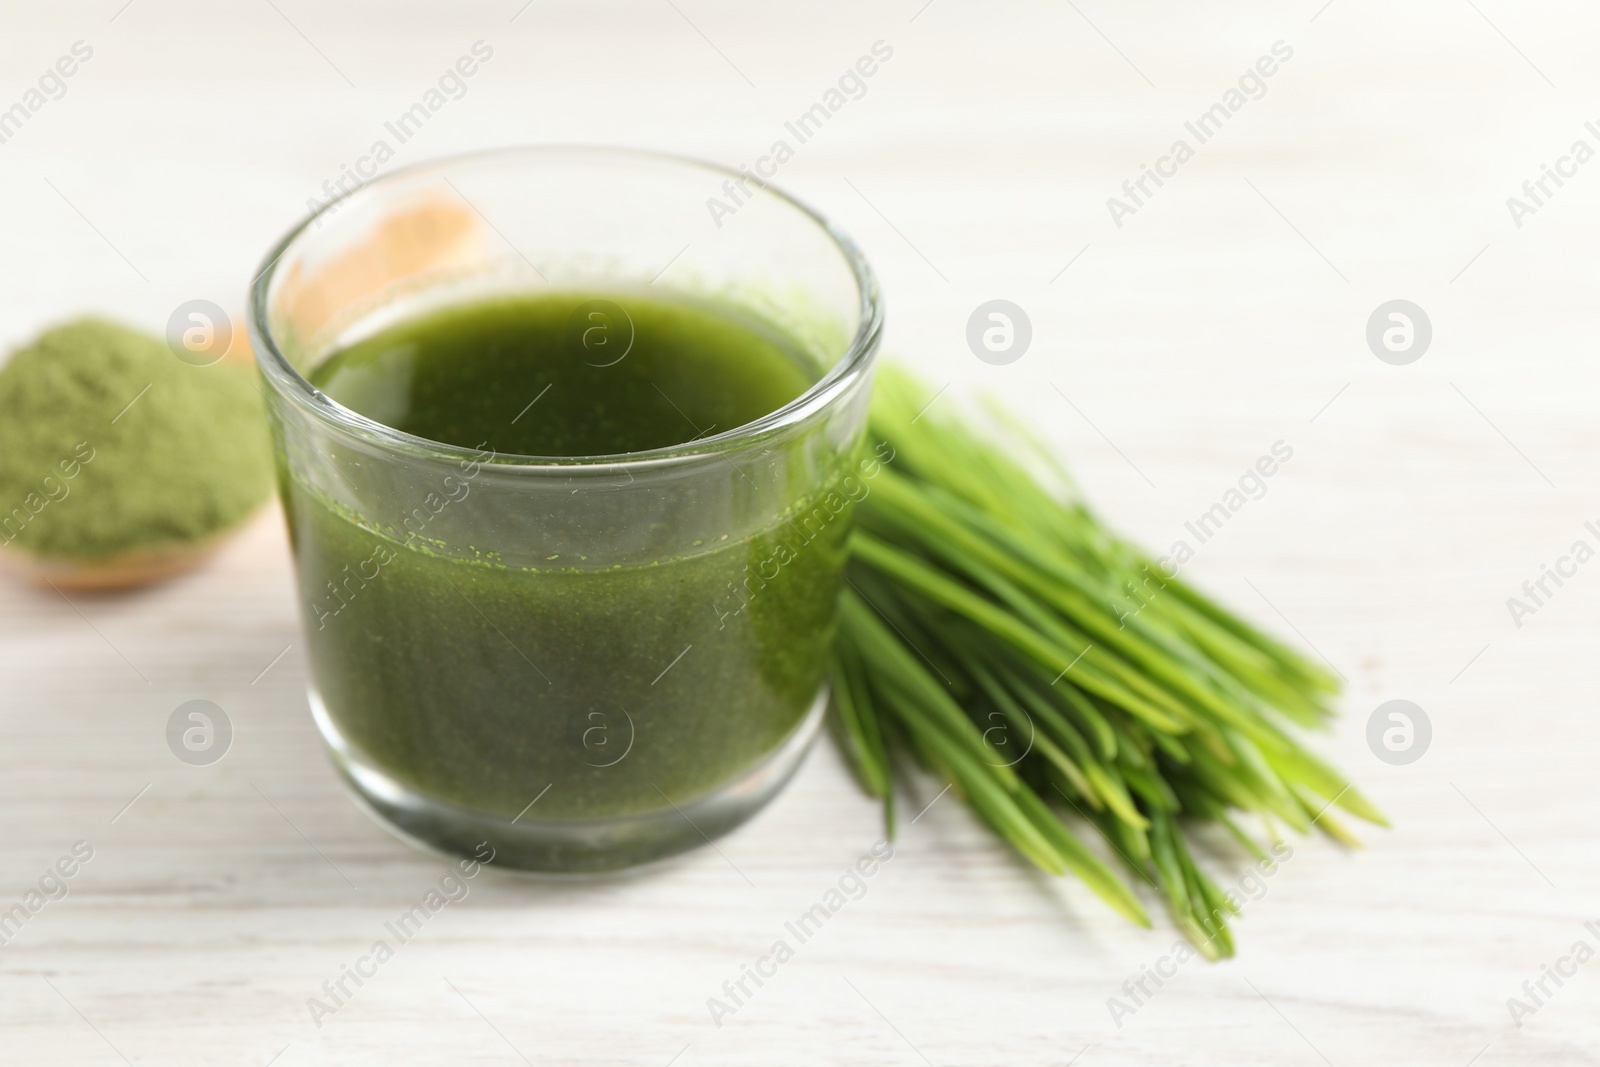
[{"x": 850, "y": 367}]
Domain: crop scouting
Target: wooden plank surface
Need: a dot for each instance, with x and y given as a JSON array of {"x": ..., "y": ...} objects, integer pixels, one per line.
[{"x": 1225, "y": 314}]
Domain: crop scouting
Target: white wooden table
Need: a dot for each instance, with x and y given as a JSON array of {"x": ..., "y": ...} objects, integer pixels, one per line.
[{"x": 1227, "y": 313}]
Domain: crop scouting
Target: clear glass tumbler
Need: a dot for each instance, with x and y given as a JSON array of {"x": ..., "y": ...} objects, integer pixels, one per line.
[{"x": 587, "y": 663}]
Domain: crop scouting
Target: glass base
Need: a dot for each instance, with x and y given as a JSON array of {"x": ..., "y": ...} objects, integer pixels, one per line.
[{"x": 565, "y": 847}]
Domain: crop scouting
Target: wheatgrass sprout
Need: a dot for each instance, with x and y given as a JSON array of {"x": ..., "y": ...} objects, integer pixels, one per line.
[{"x": 998, "y": 634}]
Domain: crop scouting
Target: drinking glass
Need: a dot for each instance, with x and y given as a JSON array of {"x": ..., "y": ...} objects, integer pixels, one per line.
[{"x": 575, "y": 664}]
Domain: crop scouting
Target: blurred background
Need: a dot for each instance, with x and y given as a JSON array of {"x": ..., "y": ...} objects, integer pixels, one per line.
[{"x": 1178, "y": 331}]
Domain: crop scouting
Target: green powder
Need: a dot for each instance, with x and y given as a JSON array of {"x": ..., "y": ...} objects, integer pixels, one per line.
[{"x": 109, "y": 442}]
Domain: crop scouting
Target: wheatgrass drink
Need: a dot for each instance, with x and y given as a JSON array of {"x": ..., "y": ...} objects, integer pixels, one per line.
[
  {"x": 636, "y": 670},
  {"x": 568, "y": 527}
]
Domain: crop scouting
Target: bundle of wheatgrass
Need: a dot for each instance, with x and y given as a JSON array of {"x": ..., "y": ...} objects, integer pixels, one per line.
[{"x": 996, "y": 632}]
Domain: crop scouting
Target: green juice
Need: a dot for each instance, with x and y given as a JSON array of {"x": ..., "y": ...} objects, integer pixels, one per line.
[{"x": 596, "y": 689}]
